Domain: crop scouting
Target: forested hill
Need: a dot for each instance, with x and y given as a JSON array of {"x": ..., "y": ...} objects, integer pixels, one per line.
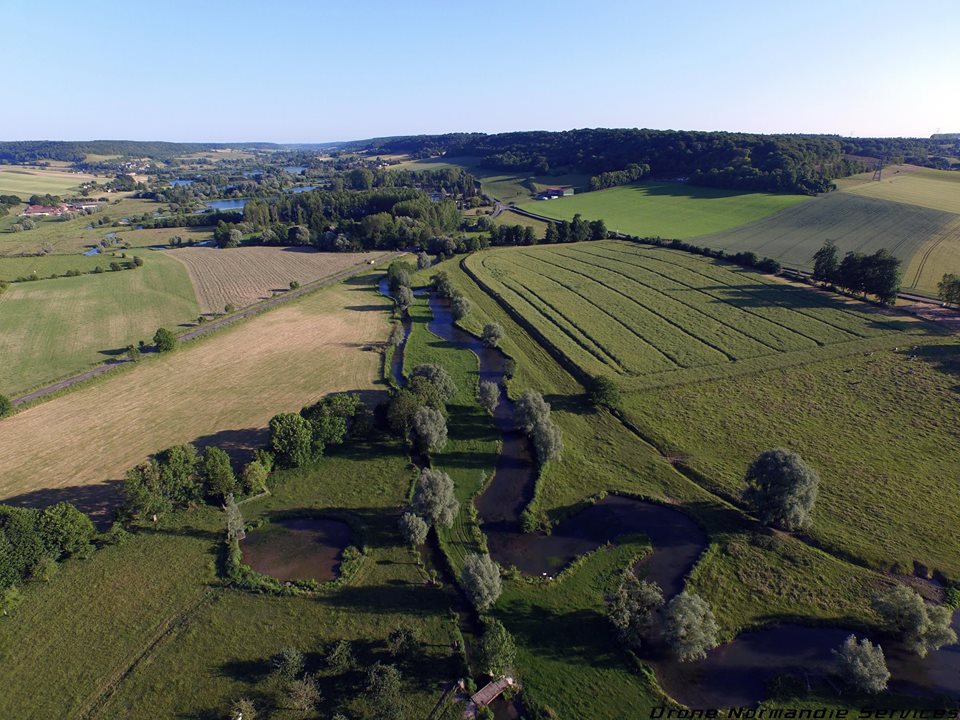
[
  {"x": 777, "y": 163},
  {"x": 76, "y": 151}
]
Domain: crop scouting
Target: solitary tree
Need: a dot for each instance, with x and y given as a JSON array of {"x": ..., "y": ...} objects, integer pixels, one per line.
[
  {"x": 781, "y": 489},
  {"x": 920, "y": 627},
  {"x": 492, "y": 335},
  {"x": 861, "y": 664},
  {"x": 498, "y": 651},
  {"x": 531, "y": 409},
  {"x": 302, "y": 695},
  {"x": 413, "y": 529},
  {"x": 164, "y": 340},
  {"x": 480, "y": 579},
  {"x": 254, "y": 477},
  {"x": 439, "y": 377},
  {"x": 402, "y": 642},
  {"x": 133, "y": 353},
  {"x": 396, "y": 335},
  {"x": 288, "y": 663},
  {"x": 633, "y": 609},
  {"x": 825, "y": 263},
  {"x": 290, "y": 439},
  {"x": 689, "y": 627},
  {"x": 429, "y": 431},
  {"x": 603, "y": 392},
  {"x": 233, "y": 519},
  {"x": 434, "y": 499},
  {"x": 489, "y": 395},
  {"x": 423, "y": 260},
  {"x": 403, "y": 296},
  {"x": 6, "y": 406},
  {"x": 547, "y": 441},
  {"x": 460, "y": 307},
  {"x": 340, "y": 659},
  {"x": 948, "y": 289},
  {"x": 217, "y": 473},
  {"x": 243, "y": 709},
  {"x": 384, "y": 693}
]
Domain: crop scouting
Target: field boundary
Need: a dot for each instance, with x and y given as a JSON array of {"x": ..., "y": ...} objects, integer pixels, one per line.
[{"x": 68, "y": 383}]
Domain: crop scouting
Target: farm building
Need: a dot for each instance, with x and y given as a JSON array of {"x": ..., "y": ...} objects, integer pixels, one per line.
[
  {"x": 555, "y": 192},
  {"x": 45, "y": 210}
]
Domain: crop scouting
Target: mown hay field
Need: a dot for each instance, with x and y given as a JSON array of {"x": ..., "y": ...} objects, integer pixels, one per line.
[
  {"x": 243, "y": 276},
  {"x": 53, "y": 328},
  {"x": 666, "y": 209},
  {"x": 854, "y": 222},
  {"x": 650, "y": 315},
  {"x": 937, "y": 189},
  {"x": 25, "y": 181},
  {"x": 223, "y": 390}
]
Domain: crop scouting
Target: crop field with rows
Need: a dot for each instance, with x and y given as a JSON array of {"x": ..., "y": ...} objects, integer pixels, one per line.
[{"x": 646, "y": 314}]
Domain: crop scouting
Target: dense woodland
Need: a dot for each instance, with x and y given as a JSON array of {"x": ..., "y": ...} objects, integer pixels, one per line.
[{"x": 777, "y": 163}]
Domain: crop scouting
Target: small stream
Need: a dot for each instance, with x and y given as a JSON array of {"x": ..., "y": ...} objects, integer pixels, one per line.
[{"x": 733, "y": 675}]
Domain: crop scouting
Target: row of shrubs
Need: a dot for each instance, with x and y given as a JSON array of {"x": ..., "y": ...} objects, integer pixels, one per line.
[{"x": 114, "y": 266}]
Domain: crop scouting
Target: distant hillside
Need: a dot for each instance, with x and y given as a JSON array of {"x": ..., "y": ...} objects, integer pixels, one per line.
[{"x": 76, "y": 151}]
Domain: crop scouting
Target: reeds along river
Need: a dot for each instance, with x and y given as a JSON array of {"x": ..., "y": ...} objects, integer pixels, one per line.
[{"x": 733, "y": 675}]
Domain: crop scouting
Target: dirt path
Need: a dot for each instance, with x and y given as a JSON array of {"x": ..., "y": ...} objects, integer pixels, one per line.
[{"x": 203, "y": 329}]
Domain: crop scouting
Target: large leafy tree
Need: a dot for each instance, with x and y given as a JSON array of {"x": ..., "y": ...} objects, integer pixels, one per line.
[
  {"x": 781, "y": 489},
  {"x": 434, "y": 498},
  {"x": 689, "y": 627}
]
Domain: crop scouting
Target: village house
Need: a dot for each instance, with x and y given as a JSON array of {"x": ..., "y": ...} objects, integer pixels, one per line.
[{"x": 555, "y": 192}]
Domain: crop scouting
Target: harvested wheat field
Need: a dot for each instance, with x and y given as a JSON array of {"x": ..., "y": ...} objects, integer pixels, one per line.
[
  {"x": 243, "y": 276},
  {"x": 222, "y": 390}
]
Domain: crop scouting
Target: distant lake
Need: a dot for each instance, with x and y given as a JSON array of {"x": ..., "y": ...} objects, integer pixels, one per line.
[
  {"x": 294, "y": 169},
  {"x": 226, "y": 205},
  {"x": 178, "y": 182},
  {"x": 302, "y": 188}
]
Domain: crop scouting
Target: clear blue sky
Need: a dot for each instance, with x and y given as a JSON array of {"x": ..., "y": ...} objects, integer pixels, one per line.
[{"x": 297, "y": 71}]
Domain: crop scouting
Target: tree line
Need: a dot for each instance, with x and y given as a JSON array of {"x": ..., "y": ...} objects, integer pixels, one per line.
[{"x": 877, "y": 274}]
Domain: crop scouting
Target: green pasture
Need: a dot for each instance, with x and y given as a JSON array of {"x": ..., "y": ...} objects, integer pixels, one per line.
[
  {"x": 44, "y": 266},
  {"x": 24, "y": 181},
  {"x": 666, "y": 209},
  {"x": 877, "y": 426},
  {"x": 53, "y": 328},
  {"x": 176, "y": 643},
  {"x": 636, "y": 311}
]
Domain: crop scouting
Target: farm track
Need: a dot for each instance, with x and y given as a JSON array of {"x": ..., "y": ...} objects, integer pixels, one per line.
[
  {"x": 202, "y": 330},
  {"x": 172, "y": 625}
]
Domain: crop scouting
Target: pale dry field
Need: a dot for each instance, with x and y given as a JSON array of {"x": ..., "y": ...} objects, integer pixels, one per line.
[
  {"x": 220, "y": 391},
  {"x": 243, "y": 276}
]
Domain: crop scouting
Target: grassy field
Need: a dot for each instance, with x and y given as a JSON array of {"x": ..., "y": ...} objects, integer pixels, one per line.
[
  {"x": 662, "y": 316},
  {"x": 512, "y": 218},
  {"x": 53, "y": 328},
  {"x": 936, "y": 189},
  {"x": 871, "y": 420},
  {"x": 221, "y": 390},
  {"x": 877, "y": 426},
  {"x": 177, "y": 644},
  {"x": 670, "y": 210},
  {"x": 44, "y": 266},
  {"x": 855, "y": 223},
  {"x": 25, "y": 181},
  {"x": 243, "y": 276}
]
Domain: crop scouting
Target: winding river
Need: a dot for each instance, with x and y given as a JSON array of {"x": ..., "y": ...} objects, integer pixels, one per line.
[{"x": 735, "y": 674}]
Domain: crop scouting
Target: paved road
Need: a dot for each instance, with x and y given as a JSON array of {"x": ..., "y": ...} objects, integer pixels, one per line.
[{"x": 206, "y": 328}]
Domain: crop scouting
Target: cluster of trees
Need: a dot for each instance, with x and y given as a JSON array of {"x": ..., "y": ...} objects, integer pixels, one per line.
[
  {"x": 877, "y": 274},
  {"x": 776, "y": 163},
  {"x": 577, "y": 230},
  {"x": 33, "y": 542},
  {"x": 948, "y": 289},
  {"x": 181, "y": 476},
  {"x": 612, "y": 178},
  {"x": 381, "y": 218},
  {"x": 29, "y": 151},
  {"x": 418, "y": 411},
  {"x": 300, "y": 438},
  {"x": 929, "y": 152},
  {"x": 295, "y": 681},
  {"x": 532, "y": 415},
  {"x": 7, "y": 202},
  {"x": 686, "y": 625}
]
